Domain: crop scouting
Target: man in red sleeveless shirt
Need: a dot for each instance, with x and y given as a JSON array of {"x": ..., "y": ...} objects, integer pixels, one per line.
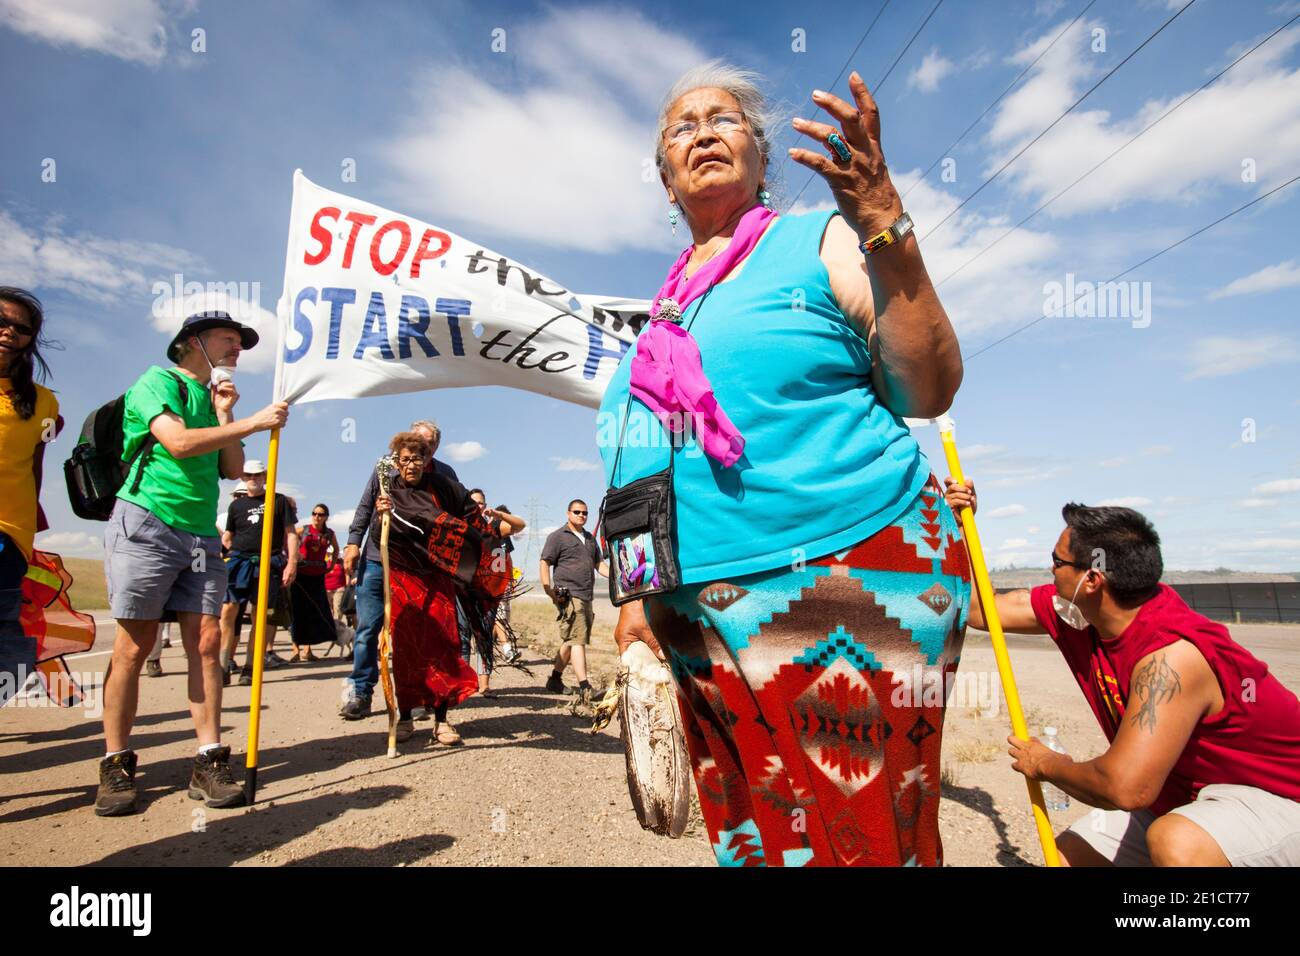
[{"x": 1203, "y": 767}]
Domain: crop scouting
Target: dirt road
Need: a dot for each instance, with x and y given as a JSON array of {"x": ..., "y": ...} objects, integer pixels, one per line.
[{"x": 532, "y": 786}]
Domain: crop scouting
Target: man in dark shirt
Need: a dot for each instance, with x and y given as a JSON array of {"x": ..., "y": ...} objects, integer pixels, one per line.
[
  {"x": 243, "y": 536},
  {"x": 366, "y": 574},
  {"x": 576, "y": 557}
]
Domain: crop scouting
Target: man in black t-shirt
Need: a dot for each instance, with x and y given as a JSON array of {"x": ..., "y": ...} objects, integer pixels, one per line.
[{"x": 243, "y": 536}]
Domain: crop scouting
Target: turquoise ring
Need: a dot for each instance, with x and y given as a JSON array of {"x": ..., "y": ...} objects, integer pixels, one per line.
[{"x": 841, "y": 148}]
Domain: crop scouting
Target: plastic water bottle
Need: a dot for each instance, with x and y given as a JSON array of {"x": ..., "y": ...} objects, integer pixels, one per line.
[{"x": 1054, "y": 797}]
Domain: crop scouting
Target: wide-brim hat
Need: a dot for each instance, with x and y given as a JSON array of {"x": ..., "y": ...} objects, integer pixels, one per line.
[
  {"x": 202, "y": 321},
  {"x": 254, "y": 466}
]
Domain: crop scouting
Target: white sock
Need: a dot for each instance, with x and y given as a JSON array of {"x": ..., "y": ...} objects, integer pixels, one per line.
[
  {"x": 204, "y": 748},
  {"x": 114, "y": 753}
]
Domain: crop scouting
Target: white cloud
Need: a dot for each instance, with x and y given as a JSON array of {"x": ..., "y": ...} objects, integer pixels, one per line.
[
  {"x": 975, "y": 452},
  {"x": 1218, "y": 355},
  {"x": 1257, "y": 503},
  {"x": 340, "y": 521},
  {"x": 574, "y": 464},
  {"x": 463, "y": 451},
  {"x": 1268, "y": 545},
  {"x": 1156, "y": 451},
  {"x": 91, "y": 267},
  {"x": 1284, "y": 486},
  {"x": 1012, "y": 543},
  {"x": 927, "y": 76},
  {"x": 1006, "y": 511},
  {"x": 134, "y": 30},
  {"x": 1113, "y": 462},
  {"x": 167, "y": 312},
  {"x": 1254, "y": 111},
  {"x": 1129, "y": 502},
  {"x": 1284, "y": 275},
  {"x": 560, "y": 158},
  {"x": 71, "y": 544}
]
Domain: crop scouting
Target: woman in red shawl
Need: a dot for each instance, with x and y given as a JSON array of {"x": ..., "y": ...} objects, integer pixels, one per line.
[{"x": 435, "y": 540}]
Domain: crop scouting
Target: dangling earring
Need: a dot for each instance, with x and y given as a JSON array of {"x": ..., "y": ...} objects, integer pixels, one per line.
[
  {"x": 673, "y": 213},
  {"x": 765, "y": 198}
]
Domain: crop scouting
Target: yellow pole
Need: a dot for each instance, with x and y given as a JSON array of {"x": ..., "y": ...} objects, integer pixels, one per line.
[
  {"x": 987, "y": 602},
  {"x": 258, "y": 649}
]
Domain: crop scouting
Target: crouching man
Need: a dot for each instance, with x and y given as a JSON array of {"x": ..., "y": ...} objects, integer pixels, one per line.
[{"x": 1203, "y": 767}]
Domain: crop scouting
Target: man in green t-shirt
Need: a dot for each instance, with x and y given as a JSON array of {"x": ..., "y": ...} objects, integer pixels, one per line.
[{"x": 162, "y": 552}]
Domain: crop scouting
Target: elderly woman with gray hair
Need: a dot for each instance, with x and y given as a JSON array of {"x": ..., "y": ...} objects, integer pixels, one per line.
[{"x": 824, "y": 584}]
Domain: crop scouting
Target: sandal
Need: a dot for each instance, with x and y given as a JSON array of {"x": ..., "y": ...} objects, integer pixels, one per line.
[
  {"x": 446, "y": 734},
  {"x": 309, "y": 657},
  {"x": 488, "y": 693},
  {"x": 295, "y": 658}
]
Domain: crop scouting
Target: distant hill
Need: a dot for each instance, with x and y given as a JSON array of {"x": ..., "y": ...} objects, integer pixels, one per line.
[{"x": 1031, "y": 577}]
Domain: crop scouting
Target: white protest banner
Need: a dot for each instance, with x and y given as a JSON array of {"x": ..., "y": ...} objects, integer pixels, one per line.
[{"x": 377, "y": 303}]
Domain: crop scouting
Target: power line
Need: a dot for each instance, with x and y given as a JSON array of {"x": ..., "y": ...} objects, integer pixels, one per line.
[
  {"x": 1020, "y": 152},
  {"x": 849, "y": 59},
  {"x": 875, "y": 91},
  {"x": 1139, "y": 265},
  {"x": 1118, "y": 150},
  {"x": 938, "y": 159}
]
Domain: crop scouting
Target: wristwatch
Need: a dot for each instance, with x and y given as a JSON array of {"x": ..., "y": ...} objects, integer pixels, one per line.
[{"x": 895, "y": 233}]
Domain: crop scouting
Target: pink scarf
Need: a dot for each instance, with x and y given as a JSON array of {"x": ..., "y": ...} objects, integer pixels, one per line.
[{"x": 667, "y": 372}]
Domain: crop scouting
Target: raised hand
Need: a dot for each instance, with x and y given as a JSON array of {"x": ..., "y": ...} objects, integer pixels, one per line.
[{"x": 860, "y": 183}]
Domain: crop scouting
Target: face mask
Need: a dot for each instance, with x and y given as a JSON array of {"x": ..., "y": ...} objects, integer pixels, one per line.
[
  {"x": 1068, "y": 611},
  {"x": 219, "y": 372}
]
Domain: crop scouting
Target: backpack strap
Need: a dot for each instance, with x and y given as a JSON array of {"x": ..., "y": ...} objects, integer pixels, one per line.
[{"x": 147, "y": 446}]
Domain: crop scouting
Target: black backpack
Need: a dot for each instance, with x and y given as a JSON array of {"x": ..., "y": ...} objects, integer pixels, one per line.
[{"x": 96, "y": 472}]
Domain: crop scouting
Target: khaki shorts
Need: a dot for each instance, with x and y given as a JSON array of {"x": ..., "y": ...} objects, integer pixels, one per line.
[
  {"x": 1252, "y": 827},
  {"x": 575, "y": 626}
]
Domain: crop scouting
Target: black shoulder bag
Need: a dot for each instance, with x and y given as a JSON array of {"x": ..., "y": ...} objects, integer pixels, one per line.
[{"x": 639, "y": 522}]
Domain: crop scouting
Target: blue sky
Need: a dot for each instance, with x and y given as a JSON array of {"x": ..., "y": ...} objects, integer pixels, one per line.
[{"x": 167, "y": 160}]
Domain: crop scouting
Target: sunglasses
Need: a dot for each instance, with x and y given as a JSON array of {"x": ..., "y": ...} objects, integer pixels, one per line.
[
  {"x": 1058, "y": 562},
  {"x": 319, "y": 514},
  {"x": 582, "y": 513},
  {"x": 18, "y": 327}
]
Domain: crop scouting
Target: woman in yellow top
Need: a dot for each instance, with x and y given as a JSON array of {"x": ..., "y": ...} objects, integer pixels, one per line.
[{"x": 29, "y": 417}]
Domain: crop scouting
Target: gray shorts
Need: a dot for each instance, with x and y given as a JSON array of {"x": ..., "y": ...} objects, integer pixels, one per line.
[
  {"x": 1252, "y": 827},
  {"x": 151, "y": 567}
]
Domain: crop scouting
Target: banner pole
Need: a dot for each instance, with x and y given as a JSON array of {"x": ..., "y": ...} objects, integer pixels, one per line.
[
  {"x": 258, "y": 648},
  {"x": 985, "y": 587}
]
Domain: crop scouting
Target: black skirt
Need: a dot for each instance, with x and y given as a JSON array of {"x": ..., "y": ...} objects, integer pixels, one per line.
[{"x": 313, "y": 622}]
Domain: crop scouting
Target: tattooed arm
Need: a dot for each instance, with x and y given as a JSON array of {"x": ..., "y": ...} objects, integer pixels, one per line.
[{"x": 1170, "y": 691}]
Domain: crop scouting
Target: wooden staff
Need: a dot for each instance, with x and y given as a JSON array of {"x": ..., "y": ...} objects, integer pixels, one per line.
[{"x": 386, "y": 634}]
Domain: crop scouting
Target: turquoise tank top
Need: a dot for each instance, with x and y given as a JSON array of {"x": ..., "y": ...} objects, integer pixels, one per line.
[{"x": 825, "y": 464}]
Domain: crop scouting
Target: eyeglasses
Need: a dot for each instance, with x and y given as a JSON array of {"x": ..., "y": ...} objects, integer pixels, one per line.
[
  {"x": 1058, "y": 562},
  {"x": 410, "y": 461},
  {"x": 582, "y": 514},
  {"x": 724, "y": 122},
  {"x": 18, "y": 327}
]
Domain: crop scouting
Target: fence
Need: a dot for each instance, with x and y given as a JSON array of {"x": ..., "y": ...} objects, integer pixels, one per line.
[{"x": 1245, "y": 602}]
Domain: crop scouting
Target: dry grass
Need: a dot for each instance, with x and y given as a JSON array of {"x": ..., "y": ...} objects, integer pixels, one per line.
[
  {"x": 89, "y": 592},
  {"x": 974, "y": 751}
]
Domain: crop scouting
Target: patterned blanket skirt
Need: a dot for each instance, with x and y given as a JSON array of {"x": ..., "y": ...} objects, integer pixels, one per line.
[
  {"x": 813, "y": 698},
  {"x": 428, "y": 670}
]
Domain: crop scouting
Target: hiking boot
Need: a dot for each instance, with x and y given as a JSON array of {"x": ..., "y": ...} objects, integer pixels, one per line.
[
  {"x": 246, "y": 677},
  {"x": 556, "y": 686},
  {"x": 275, "y": 660},
  {"x": 153, "y": 668},
  {"x": 212, "y": 782},
  {"x": 356, "y": 708},
  {"x": 231, "y": 668},
  {"x": 116, "y": 795}
]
